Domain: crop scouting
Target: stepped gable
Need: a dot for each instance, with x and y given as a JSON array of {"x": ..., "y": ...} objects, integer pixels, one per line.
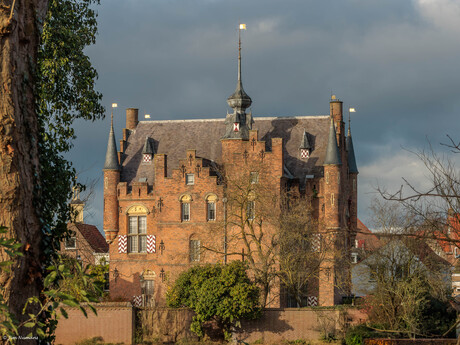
[{"x": 176, "y": 136}]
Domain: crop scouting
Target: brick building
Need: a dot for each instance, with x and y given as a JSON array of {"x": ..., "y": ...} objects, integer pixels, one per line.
[
  {"x": 86, "y": 244},
  {"x": 163, "y": 190}
]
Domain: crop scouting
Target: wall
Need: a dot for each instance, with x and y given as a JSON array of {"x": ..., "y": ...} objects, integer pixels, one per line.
[
  {"x": 114, "y": 323},
  {"x": 277, "y": 325}
]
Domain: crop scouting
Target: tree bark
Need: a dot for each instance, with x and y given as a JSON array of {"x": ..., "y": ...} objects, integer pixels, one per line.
[{"x": 20, "y": 25}]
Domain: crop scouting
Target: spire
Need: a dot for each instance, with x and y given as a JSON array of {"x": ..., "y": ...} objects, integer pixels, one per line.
[
  {"x": 332, "y": 153},
  {"x": 111, "y": 157},
  {"x": 239, "y": 100},
  {"x": 239, "y": 123},
  {"x": 352, "y": 167},
  {"x": 305, "y": 144}
]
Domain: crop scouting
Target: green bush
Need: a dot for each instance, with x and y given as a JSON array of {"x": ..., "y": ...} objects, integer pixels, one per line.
[{"x": 357, "y": 334}]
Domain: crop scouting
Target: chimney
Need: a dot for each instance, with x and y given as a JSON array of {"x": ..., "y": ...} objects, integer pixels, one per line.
[{"x": 132, "y": 118}]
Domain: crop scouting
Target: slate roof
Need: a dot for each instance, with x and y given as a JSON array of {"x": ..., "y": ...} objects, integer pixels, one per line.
[
  {"x": 111, "y": 157},
  {"x": 332, "y": 153},
  {"x": 176, "y": 136},
  {"x": 93, "y": 237}
]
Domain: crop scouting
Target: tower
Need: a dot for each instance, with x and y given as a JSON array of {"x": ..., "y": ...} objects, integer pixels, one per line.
[
  {"x": 328, "y": 293},
  {"x": 111, "y": 180}
]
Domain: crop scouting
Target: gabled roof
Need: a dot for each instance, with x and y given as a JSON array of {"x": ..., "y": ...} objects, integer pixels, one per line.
[
  {"x": 93, "y": 237},
  {"x": 367, "y": 240},
  {"x": 175, "y": 137}
]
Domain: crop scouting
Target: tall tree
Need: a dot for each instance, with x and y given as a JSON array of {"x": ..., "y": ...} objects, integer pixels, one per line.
[
  {"x": 46, "y": 85},
  {"x": 20, "y": 25}
]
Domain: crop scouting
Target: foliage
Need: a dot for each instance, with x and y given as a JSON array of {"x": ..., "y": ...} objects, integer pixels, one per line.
[
  {"x": 10, "y": 248},
  {"x": 223, "y": 293},
  {"x": 356, "y": 335},
  {"x": 55, "y": 296},
  {"x": 65, "y": 92},
  {"x": 409, "y": 294},
  {"x": 89, "y": 279}
]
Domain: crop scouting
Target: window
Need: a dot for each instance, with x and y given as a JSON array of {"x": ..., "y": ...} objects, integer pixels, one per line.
[
  {"x": 189, "y": 179},
  {"x": 211, "y": 207},
  {"x": 254, "y": 177},
  {"x": 195, "y": 250},
  {"x": 71, "y": 243},
  {"x": 327, "y": 177},
  {"x": 354, "y": 258},
  {"x": 250, "y": 211},
  {"x": 185, "y": 211},
  {"x": 211, "y": 210},
  {"x": 332, "y": 199},
  {"x": 185, "y": 207},
  {"x": 354, "y": 185},
  {"x": 147, "y": 287},
  {"x": 137, "y": 234}
]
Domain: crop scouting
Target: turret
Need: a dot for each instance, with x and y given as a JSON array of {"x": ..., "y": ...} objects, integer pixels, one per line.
[
  {"x": 238, "y": 124},
  {"x": 328, "y": 293},
  {"x": 111, "y": 180}
]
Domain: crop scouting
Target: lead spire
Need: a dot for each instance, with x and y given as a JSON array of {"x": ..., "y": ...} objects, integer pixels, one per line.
[
  {"x": 111, "y": 156},
  {"x": 238, "y": 123}
]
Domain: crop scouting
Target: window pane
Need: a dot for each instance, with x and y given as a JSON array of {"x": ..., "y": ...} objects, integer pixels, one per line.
[
  {"x": 185, "y": 212},
  {"x": 133, "y": 225},
  {"x": 211, "y": 211},
  {"x": 143, "y": 225},
  {"x": 148, "y": 287},
  {"x": 132, "y": 244},
  {"x": 194, "y": 250},
  {"x": 71, "y": 243},
  {"x": 142, "y": 244}
]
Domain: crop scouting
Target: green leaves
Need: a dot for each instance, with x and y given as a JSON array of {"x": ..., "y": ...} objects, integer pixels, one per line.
[{"x": 224, "y": 293}]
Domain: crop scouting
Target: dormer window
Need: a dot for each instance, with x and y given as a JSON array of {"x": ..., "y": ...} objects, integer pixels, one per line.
[
  {"x": 147, "y": 152},
  {"x": 71, "y": 243},
  {"x": 305, "y": 146}
]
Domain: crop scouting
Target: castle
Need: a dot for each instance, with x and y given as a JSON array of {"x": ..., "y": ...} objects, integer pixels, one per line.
[{"x": 163, "y": 191}]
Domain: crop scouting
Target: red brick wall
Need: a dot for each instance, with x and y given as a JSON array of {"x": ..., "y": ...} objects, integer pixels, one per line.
[{"x": 114, "y": 323}]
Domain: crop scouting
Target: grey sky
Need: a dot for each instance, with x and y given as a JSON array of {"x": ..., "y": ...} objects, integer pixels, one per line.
[{"x": 395, "y": 61}]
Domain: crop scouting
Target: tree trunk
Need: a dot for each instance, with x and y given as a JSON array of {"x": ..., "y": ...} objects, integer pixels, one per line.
[{"x": 20, "y": 25}]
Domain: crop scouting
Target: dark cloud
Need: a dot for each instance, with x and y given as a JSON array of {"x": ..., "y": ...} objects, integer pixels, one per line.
[{"x": 395, "y": 61}]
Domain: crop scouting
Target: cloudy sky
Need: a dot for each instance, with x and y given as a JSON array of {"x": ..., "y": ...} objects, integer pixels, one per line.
[{"x": 395, "y": 61}]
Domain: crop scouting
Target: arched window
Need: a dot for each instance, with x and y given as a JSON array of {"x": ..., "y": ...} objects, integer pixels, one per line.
[
  {"x": 185, "y": 207},
  {"x": 211, "y": 200},
  {"x": 251, "y": 206},
  {"x": 194, "y": 249}
]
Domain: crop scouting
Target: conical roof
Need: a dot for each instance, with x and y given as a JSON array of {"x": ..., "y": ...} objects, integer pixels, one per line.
[
  {"x": 332, "y": 152},
  {"x": 148, "y": 149},
  {"x": 111, "y": 157},
  {"x": 352, "y": 167},
  {"x": 305, "y": 144}
]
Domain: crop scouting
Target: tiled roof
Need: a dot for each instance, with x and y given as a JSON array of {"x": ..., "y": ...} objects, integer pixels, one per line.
[
  {"x": 93, "y": 237},
  {"x": 367, "y": 240},
  {"x": 175, "y": 137}
]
